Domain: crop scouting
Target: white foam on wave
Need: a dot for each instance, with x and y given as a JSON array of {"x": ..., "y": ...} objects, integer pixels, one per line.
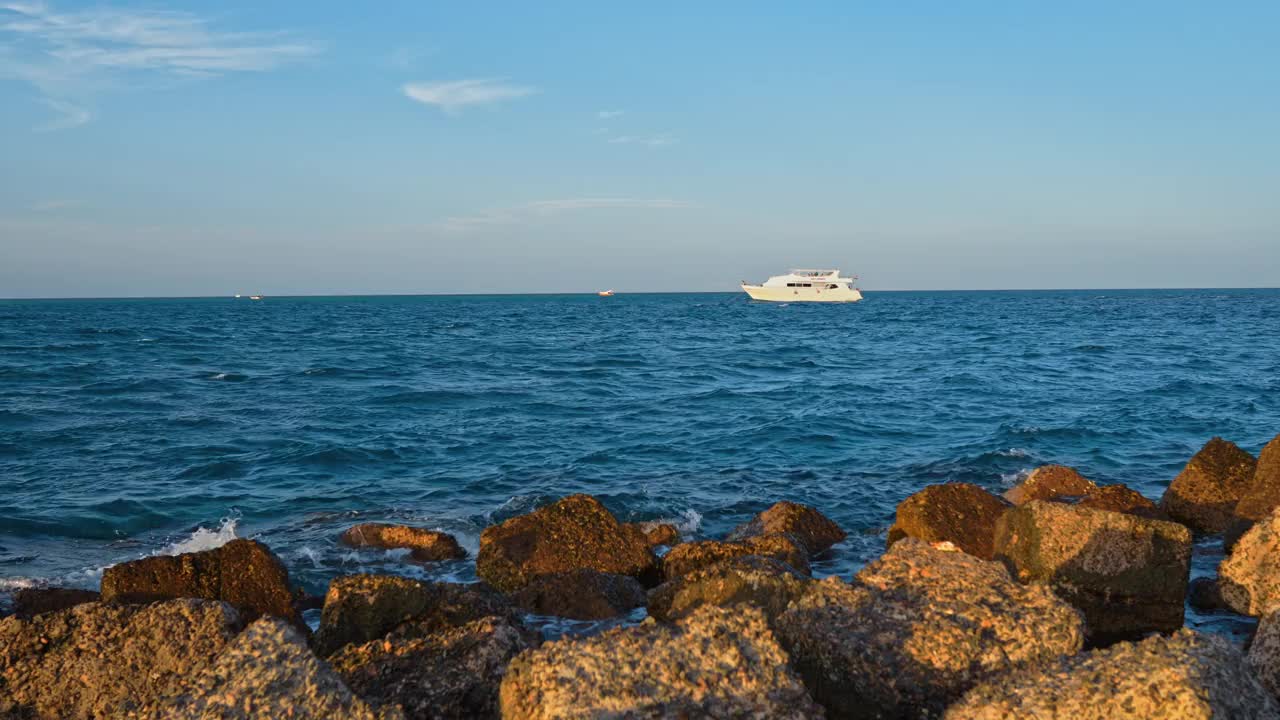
[
  {"x": 203, "y": 538},
  {"x": 1013, "y": 478},
  {"x": 687, "y": 523},
  {"x": 18, "y": 583},
  {"x": 219, "y": 376}
]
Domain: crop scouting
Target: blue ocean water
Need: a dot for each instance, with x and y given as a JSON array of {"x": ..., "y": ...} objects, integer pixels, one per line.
[{"x": 130, "y": 427}]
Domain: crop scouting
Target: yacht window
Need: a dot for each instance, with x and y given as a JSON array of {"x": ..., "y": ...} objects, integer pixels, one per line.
[
  {"x": 832, "y": 287},
  {"x": 806, "y": 284}
]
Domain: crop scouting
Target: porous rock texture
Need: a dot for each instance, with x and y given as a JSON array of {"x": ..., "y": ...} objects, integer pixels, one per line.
[
  {"x": 960, "y": 513},
  {"x": 1121, "y": 499},
  {"x": 581, "y": 594},
  {"x": 688, "y": 557},
  {"x": 360, "y": 608},
  {"x": 1050, "y": 482},
  {"x": 268, "y": 672},
  {"x": 29, "y": 602},
  {"x": 815, "y": 531},
  {"x": 659, "y": 534},
  {"x": 1249, "y": 579},
  {"x": 425, "y": 545},
  {"x": 575, "y": 532},
  {"x": 453, "y": 673},
  {"x": 1263, "y": 494},
  {"x": 716, "y": 663},
  {"x": 1184, "y": 676},
  {"x": 107, "y": 661},
  {"x": 1264, "y": 653},
  {"x": 1127, "y": 574},
  {"x": 752, "y": 580},
  {"x": 244, "y": 573},
  {"x": 1204, "y": 495},
  {"x": 918, "y": 628}
]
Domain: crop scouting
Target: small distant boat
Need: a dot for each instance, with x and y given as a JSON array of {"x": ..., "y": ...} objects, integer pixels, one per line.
[
  {"x": 237, "y": 294},
  {"x": 605, "y": 293},
  {"x": 805, "y": 286},
  {"x": 255, "y": 297}
]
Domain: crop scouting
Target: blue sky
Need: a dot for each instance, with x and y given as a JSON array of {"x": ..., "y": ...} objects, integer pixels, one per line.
[{"x": 197, "y": 149}]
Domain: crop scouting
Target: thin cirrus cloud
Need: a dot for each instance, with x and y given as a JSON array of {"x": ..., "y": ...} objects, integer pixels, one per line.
[
  {"x": 531, "y": 211},
  {"x": 454, "y": 95},
  {"x": 610, "y": 114},
  {"x": 70, "y": 56},
  {"x": 661, "y": 140}
]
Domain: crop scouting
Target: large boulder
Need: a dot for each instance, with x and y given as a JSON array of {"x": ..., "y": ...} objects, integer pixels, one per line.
[
  {"x": 1121, "y": 499},
  {"x": 815, "y": 531},
  {"x": 1185, "y": 676},
  {"x": 1204, "y": 495},
  {"x": 1249, "y": 579},
  {"x": 960, "y": 513},
  {"x": 426, "y": 545},
  {"x": 716, "y": 663},
  {"x": 244, "y": 573},
  {"x": 1127, "y": 574},
  {"x": 581, "y": 594},
  {"x": 918, "y": 628},
  {"x": 576, "y": 532},
  {"x": 360, "y": 608},
  {"x": 1264, "y": 653},
  {"x": 107, "y": 661},
  {"x": 1263, "y": 494},
  {"x": 1050, "y": 482},
  {"x": 268, "y": 672},
  {"x": 752, "y": 580},
  {"x": 454, "y": 673},
  {"x": 688, "y": 557},
  {"x": 29, "y": 602}
]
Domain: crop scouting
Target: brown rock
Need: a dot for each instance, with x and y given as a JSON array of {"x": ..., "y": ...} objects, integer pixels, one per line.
[
  {"x": 959, "y": 513},
  {"x": 1204, "y": 495},
  {"x": 268, "y": 672},
  {"x": 688, "y": 557},
  {"x": 918, "y": 628},
  {"x": 29, "y": 602},
  {"x": 107, "y": 661},
  {"x": 454, "y": 673},
  {"x": 752, "y": 580},
  {"x": 1249, "y": 578},
  {"x": 660, "y": 534},
  {"x": 1050, "y": 482},
  {"x": 716, "y": 663},
  {"x": 1264, "y": 653},
  {"x": 427, "y": 545},
  {"x": 1127, "y": 574},
  {"x": 576, "y": 532},
  {"x": 1204, "y": 595},
  {"x": 360, "y": 608},
  {"x": 1186, "y": 676},
  {"x": 1263, "y": 494},
  {"x": 582, "y": 594},
  {"x": 1118, "y": 498},
  {"x": 243, "y": 572},
  {"x": 812, "y": 529}
]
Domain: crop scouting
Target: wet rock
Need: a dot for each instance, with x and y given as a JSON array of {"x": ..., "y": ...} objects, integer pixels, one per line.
[
  {"x": 1185, "y": 676},
  {"x": 1127, "y": 574},
  {"x": 29, "y": 602},
  {"x": 581, "y": 594},
  {"x": 268, "y": 672},
  {"x": 426, "y": 545},
  {"x": 716, "y": 663},
  {"x": 106, "y": 661},
  {"x": 1263, "y": 494},
  {"x": 576, "y": 532},
  {"x": 688, "y": 557},
  {"x": 660, "y": 534},
  {"x": 1050, "y": 482},
  {"x": 752, "y": 580},
  {"x": 1204, "y": 595},
  {"x": 1121, "y": 499},
  {"x": 1250, "y": 576},
  {"x": 815, "y": 531},
  {"x": 243, "y": 573},
  {"x": 960, "y": 513},
  {"x": 1264, "y": 653},
  {"x": 454, "y": 673},
  {"x": 360, "y": 608},
  {"x": 918, "y": 628},
  {"x": 1204, "y": 495}
]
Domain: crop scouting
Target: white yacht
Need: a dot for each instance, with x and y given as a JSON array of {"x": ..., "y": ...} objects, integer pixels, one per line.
[{"x": 806, "y": 286}]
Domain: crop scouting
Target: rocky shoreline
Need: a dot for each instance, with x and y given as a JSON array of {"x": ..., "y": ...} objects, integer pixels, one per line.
[{"x": 1059, "y": 599}]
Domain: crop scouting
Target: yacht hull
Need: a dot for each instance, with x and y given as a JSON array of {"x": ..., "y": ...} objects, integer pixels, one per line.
[{"x": 791, "y": 294}]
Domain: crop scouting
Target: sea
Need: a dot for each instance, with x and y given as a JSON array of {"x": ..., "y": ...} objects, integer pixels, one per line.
[{"x": 130, "y": 428}]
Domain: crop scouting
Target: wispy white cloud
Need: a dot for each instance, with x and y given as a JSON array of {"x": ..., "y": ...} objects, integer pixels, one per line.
[
  {"x": 53, "y": 205},
  {"x": 660, "y": 140},
  {"x": 610, "y": 114},
  {"x": 528, "y": 212},
  {"x": 454, "y": 95},
  {"x": 71, "y": 55}
]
